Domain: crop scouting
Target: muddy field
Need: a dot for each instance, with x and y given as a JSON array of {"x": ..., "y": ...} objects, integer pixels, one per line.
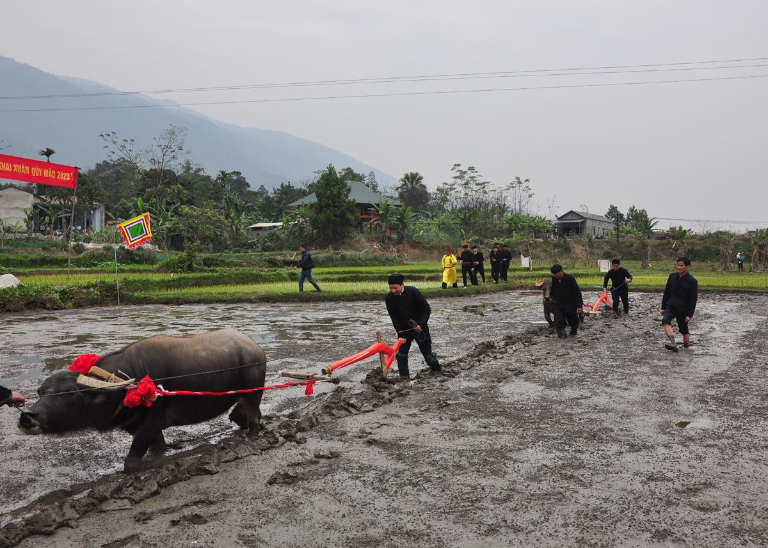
[{"x": 604, "y": 439}]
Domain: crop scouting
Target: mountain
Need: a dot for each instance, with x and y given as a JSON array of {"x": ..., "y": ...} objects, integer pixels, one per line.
[{"x": 263, "y": 156}]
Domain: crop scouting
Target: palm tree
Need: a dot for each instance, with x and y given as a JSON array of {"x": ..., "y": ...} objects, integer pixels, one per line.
[
  {"x": 726, "y": 249},
  {"x": 678, "y": 236},
  {"x": 385, "y": 214},
  {"x": 412, "y": 191},
  {"x": 759, "y": 239},
  {"x": 645, "y": 226},
  {"x": 403, "y": 222},
  {"x": 47, "y": 152}
]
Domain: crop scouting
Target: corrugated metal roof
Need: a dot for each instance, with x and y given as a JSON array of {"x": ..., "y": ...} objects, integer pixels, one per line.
[
  {"x": 586, "y": 216},
  {"x": 358, "y": 192}
]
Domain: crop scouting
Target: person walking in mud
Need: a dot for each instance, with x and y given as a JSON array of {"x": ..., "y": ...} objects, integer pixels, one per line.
[
  {"x": 466, "y": 264},
  {"x": 478, "y": 265},
  {"x": 620, "y": 279},
  {"x": 506, "y": 259},
  {"x": 409, "y": 312},
  {"x": 306, "y": 264},
  {"x": 495, "y": 257},
  {"x": 11, "y": 398},
  {"x": 449, "y": 269},
  {"x": 679, "y": 302},
  {"x": 566, "y": 295}
]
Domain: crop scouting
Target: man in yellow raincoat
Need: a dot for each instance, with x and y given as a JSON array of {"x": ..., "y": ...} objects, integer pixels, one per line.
[{"x": 449, "y": 269}]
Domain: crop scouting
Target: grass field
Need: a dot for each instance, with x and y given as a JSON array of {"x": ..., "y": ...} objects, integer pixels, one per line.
[{"x": 338, "y": 283}]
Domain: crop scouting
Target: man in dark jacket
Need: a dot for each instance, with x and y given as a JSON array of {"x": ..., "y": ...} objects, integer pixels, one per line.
[
  {"x": 10, "y": 398},
  {"x": 679, "y": 302},
  {"x": 495, "y": 257},
  {"x": 506, "y": 259},
  {"x": 566, "y": 294},
  {"x": 306, "y": 264},
  {"x": 620, "y": 279},
  {"x": 466, "y": 263},
  {"x": 478, "y": 265},
  {"x": 409, "y": 312}
]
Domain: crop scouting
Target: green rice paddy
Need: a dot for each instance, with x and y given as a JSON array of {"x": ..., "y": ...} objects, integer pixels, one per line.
[{"x": 338, "y": 283}]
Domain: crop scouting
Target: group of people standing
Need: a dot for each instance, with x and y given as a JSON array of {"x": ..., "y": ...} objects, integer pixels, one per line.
[{"x": 473, "y": 264}]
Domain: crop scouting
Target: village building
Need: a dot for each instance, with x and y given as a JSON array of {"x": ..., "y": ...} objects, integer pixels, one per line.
[
  {"x": 15, "y": 205},
  {"x": 581, "y": 223},
  {"x": 366, "y": 200},
  {"x": 259, "y": 229}
]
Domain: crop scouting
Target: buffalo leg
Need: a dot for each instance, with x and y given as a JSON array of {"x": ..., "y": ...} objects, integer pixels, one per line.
[
  {"x": 548, "y": 315},
  {"x": 158, "y": 446},
  {"x": 142, "y": 440},
  {"x": 250, "y": 408}
]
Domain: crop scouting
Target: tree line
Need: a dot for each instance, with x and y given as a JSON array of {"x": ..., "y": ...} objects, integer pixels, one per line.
[{"x": 189, "y": 206}]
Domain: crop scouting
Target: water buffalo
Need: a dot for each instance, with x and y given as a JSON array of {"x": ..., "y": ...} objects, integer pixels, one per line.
[{"x": 216, "y": 361}]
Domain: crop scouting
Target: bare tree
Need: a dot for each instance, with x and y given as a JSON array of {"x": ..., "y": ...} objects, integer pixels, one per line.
[
  {"x": 520, "y": 196},
  {"x": 163, "y": 155}
]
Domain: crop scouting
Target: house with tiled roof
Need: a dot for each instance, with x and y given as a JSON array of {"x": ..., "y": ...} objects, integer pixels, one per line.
[{"x": 582, "y": 223}]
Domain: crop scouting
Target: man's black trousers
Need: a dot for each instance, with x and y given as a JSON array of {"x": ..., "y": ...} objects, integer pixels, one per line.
[
  {"x": 466, "y": 269},
  {"x": 495, "y": 271},
  {"x": 623, "y": 294},
  {"x": 422, "y": 339},
  {"x": 563, "y": 315}
]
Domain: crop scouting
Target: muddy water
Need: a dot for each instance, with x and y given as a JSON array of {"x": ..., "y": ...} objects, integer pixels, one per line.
[
  {"x": 529, "y": 440},
  {"x": 295, "y": 337}
]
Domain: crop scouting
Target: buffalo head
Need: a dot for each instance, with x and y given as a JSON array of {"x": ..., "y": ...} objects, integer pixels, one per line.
[{"x": 69, "y": 401}]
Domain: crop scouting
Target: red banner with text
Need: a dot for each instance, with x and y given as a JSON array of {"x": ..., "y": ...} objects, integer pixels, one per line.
[{"x": 35, "y": 171}]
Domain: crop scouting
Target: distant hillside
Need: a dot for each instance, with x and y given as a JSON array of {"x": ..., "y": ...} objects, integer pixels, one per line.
[{"x": 264, "y": 157}]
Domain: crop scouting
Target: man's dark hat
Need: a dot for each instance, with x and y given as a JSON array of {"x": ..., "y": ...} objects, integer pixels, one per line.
[
  {"x": 465, "y": 245},
  {"x": 474, "y": 247},
  {"x": 395, "y": 279},
  {"x": 505, "y": 245},
  {"x": 556, "y": 268},
  {"x": 496, "y": 244}
]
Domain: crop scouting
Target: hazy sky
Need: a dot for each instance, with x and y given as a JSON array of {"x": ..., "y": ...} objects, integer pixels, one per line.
[{"x": 693, "y": 150}]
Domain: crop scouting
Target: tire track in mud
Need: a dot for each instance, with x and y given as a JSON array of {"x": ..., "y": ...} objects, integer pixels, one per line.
[{"x": 64, "y": 507}]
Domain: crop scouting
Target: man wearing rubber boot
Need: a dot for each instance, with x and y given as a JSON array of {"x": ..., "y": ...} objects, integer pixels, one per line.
[
  {"x": 566, "y": 294},
  {"x": 620, "y": 278},
  {"x": 679, "y": 302},
  {"x": 409, "y": 311}
]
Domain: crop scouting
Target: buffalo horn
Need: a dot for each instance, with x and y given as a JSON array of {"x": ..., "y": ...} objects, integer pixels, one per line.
[{"x": 89, "y": 382}]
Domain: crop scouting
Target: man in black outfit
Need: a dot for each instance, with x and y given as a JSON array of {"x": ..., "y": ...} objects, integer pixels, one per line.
[
  {"x": 478, "y": 266},
  {"x": 495, "y": 258},
  {"x": 679, "y": 302},
  {"x": 620, "y": 280},
  {"x": 566, "y": 294},
  {"x": 11, "y": 399},
  {"x": 466, "y": 263},
  {"x": 409, "y": 312},
  {"x": 506, "y": 258},
  {"x": 306, "y": 264}
]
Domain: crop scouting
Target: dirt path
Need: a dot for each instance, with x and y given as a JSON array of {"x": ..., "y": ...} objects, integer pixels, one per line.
[{"x": 600, "y": 440}]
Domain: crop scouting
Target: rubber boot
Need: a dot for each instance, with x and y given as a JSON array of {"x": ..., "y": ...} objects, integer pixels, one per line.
[
  {"x": 561, "y": 333},
  {"x": 431, "y": 360},
  {"x": 402, "y": 365},
  {"x": 574, "y": 331}
]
